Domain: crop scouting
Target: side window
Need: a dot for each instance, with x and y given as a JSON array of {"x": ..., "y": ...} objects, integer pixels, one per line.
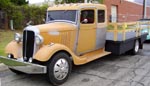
[
  {"x": 101, "y": 16},
  {"x": 87, "y": 16}
]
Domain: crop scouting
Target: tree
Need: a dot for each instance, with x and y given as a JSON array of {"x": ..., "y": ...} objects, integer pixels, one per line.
[
  {"x": 19, "y": 2},
  {"x": 4, "y": 3}
]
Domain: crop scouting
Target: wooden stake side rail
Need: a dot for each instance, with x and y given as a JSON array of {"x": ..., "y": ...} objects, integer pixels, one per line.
[{"x": 125, "y": 29}]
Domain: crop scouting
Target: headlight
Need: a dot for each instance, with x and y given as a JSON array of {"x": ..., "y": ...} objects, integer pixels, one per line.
[
  {"x": 17, "y": 37},
  {"x": 38, "y": 39}
]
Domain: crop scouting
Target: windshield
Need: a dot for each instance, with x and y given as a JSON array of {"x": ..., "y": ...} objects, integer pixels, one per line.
[{"x": 69, "y": 15}]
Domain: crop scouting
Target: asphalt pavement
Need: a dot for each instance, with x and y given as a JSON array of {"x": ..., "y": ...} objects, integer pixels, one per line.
[{"x": 124, "y": 70}]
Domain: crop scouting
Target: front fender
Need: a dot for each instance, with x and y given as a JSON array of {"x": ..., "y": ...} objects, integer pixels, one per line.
[
  {"x": 46, "y": 52},
  {"x": 14, "y": 48}
]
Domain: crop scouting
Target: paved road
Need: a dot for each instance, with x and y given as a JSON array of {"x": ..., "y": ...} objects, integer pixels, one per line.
[{"x": 125, "y": 70}]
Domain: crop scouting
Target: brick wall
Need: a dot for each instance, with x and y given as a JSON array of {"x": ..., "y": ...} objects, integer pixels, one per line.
[{"x": 126, "y": 11}]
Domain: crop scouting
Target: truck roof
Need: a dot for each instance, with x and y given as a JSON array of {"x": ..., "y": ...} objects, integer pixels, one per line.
[{"x": 76, "y": 6}]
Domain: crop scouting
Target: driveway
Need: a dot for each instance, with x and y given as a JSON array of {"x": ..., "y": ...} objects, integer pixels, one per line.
[{"x": 124, "y": 70}]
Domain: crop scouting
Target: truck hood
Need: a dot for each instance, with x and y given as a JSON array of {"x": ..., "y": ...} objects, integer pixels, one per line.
[
  {"x": 56, "y": 26},
  {"x": 56, "y": 32}
]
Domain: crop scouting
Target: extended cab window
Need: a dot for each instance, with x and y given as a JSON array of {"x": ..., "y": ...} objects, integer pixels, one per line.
[
  {"x": 87, "y": 16},
  {"x": 101, "y": 16}
]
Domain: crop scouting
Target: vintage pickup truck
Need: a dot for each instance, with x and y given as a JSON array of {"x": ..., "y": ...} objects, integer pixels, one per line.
[{"x": 73, "y": 34}]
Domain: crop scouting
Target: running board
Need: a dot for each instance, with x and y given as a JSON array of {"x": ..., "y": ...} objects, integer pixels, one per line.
[{"x": 95, "y": 55}]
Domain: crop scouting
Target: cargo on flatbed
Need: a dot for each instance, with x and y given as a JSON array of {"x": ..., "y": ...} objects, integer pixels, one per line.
[{"x": 120, "y": 37}]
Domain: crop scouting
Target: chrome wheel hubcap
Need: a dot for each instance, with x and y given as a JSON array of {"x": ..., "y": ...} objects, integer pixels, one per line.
[{"x": 61, "y": 69}]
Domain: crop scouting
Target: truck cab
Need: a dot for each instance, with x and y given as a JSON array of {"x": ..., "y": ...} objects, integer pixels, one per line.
[
  {"x": 73, "y": 34},
  {"x": 88, "y": 31}
]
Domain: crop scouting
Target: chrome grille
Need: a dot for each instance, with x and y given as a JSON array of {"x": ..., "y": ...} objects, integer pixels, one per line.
[{"x": 28, "y": 44}]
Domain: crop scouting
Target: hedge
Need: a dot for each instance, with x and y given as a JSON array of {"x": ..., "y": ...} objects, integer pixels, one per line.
[{"x": 21, "y": 15}]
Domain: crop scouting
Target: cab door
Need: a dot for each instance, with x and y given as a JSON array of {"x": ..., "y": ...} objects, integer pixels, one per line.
[{"x": 87, "y": 31}]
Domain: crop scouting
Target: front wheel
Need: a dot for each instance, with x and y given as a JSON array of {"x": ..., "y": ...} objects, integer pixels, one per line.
[
  {"x": 135, "y": 49},
  {"x": 59, "y": 68}
]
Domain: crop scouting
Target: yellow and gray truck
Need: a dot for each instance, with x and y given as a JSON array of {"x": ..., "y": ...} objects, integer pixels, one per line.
[{"x": 73, "y": 34}]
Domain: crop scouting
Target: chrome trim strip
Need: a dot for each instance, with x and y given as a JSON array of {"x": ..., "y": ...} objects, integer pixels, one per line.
[
  {"x": 25, "y": 67},
  {"x": 77, "y": 33}
]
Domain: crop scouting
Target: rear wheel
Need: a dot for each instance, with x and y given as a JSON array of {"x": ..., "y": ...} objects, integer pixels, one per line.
[
  {"x": 59, "y": 68},
  {"x": 135, "y": 49}
]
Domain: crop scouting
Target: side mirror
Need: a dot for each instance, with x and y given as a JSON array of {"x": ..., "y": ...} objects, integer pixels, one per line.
[{"x": 85, "y": 21}]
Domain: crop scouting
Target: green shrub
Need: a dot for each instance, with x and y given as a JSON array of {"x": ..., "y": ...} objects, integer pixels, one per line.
[{"x": 25, "y": 13}]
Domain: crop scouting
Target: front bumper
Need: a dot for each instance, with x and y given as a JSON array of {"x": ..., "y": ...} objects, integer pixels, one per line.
[{"x": 25, "y": 67}]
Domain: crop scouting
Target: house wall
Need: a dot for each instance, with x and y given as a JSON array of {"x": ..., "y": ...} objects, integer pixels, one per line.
[{"x": 126, "y": 11}]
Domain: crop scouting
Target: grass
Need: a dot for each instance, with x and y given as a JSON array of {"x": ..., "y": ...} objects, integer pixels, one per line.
[{"x": 6, "y": 36}]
